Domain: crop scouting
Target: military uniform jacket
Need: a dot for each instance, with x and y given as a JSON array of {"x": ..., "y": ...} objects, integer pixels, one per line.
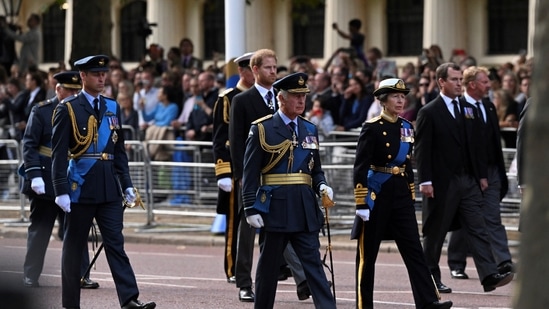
[
  {"x": 37, "y": 148},
  {"x": 221, "y": 112},
  {"x": 378, "y": 145},
  {"x": 293, "y": 208},
  {"x": 105, "y": 179}
]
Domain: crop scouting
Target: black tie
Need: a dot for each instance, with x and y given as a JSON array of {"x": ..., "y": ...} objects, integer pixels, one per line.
[
  {"x": 96, "y": 106},
  {"x": 457, "y": 114},
  {"x": 269, "y": 98},
  {"x": 480, "y": 112}
]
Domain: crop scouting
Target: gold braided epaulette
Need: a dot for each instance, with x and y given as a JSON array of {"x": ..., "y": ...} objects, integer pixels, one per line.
[
  {"x": 225, "y": 92},
  {"x": 372, "y": 120},
  {"x": 262, "y": 119},
  {"x": 44, "y": 103}
]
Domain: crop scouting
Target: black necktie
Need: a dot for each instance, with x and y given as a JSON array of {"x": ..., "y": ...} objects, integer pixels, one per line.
[
  {"x": 480, "y": 112},
  {"x": 269, "y": 98},
  {"x": 457, "y": 114},
  {"x": 96, "y": 106}
]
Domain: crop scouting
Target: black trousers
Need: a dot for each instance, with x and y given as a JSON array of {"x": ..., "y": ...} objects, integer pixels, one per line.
[{"x": 109, "y": 218}]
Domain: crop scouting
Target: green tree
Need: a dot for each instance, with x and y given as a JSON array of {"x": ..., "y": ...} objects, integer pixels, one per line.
[{"x": 92, "y": 26}]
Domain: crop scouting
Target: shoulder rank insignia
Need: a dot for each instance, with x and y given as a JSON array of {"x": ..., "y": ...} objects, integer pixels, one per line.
[
  {"x": 262, "y": 119},
  {"x": 372, "y": 120}
]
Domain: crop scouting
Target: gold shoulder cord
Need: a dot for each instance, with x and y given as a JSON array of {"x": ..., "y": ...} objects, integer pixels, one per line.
[
  {"x": 226, "y": 109},
  {"x": 279, "y": 149},
  {"x": 82, "y": 142}
]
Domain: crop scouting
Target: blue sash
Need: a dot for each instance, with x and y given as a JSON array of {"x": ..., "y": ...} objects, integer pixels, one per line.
[
  {"x": 80, "y": 167},
  {"x": 377, "y": 179}
]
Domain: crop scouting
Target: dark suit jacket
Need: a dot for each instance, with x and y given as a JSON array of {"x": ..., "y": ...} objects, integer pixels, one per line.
[
  {"x": 21, "y": 108},
  {"x": 494, "y": 142},
  {"x": 106, "y": 178},
  {"x": 293, "y": 208},
  {"x": 437, "y": 148},
  {"x": 246, "y": 107}
]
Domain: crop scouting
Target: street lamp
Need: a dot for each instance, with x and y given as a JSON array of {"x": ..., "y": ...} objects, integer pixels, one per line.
[{"x": 11, "y": 9}]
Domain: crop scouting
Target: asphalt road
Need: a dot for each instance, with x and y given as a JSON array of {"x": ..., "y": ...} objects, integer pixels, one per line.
[{"x": 179, "y": 276}]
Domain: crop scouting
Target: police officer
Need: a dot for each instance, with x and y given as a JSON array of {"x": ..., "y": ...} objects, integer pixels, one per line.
[
  {"x": 87, "y": 127},
  {"x": 282, "y": 175},
  {"x": 384, "y": 196},
  {"x": 227, "y": 202},
  {"x": 37, "y": 183}
]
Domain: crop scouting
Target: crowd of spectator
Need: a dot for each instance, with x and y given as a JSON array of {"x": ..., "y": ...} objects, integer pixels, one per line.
[{"x": 175, "y": 91}]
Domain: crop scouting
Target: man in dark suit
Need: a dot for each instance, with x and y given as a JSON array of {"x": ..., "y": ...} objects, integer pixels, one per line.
[
  {"x": 37, "y": 184},
  {"x": 227, "y": 201},
  {"x": 282, "y": 175},
  {"x": 477, "y": 85},
  {"x": 246, "y": 108},
  {"x": 34, "y": 92},
  {"x": 93, "y": 182},
  {"x": 188, "y": 61},
  {"x": 252, "y": 104},
  {"x": 451, "y": 169}
]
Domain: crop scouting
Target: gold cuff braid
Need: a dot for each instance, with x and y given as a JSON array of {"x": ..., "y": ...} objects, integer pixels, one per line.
[
  {"x": 360, "y": 194},
  {"x": 222, "y": 167},
  {"x": 413, "y": 190}
]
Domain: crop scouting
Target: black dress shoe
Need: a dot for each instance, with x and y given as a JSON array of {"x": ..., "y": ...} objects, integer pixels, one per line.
[
  {"x": 439, "y": 305},
  {"x": 494, "y": 281},
  {"x": 506, "y": 267},
  {"x": 135, "y": 304},
  {"x": 443, "y": 288},
  {"x": 284, "y": 273},
  {"x": 231, "y": 279},
  {"x": 246, "y": 295},
  {"x": 30, "y": 283},
  {"x": 87, "y": 283},
  {"x": 303, "y": 291},
  {"x": 459, "y": 274}
]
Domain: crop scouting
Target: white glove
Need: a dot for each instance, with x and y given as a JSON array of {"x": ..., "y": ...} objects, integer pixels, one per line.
[
  {"x": 225, "y": 184},
  {"x": 328, "y": 190},
  {"x": 129, "y": 195},
  {"x": 64, "y": 201},
  {"x": 364, "y": 214},
  {"x": 38, "y": 186},
  {"x": 255, "y": 221}
]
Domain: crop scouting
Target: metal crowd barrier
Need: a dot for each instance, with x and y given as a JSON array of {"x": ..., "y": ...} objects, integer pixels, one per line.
[{"x": 185, "y": 184}]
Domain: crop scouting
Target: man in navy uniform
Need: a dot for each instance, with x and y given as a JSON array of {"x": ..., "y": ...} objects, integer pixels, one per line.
[
  {"x": 227, "y": 201},
  {"x": 87, "y": 127},
  {"x": 37, "y": 183},
  {"x": 282, "y": 175}
]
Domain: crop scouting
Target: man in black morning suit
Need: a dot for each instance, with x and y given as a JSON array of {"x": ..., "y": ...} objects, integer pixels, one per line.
[
  {"x": 247, "y": 107},
  {"x": 452, "y": 172},
  {"x": 282, "y": 165},
  {"x": 37, "y": 184},
  {"x": 477, "y": 85},
  {"x": 93, "y": 182}
]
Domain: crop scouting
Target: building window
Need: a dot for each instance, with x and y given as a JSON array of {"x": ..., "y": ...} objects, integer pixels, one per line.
[
  {"x": 308, "y": 28},
  {"x": 214, "y": 28},
  {"x": 133, "y": 25},
  {"x": 507, "y": 26},
  {"x": 53, "y": 34},
  {"x": 404, "y": 27}
]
